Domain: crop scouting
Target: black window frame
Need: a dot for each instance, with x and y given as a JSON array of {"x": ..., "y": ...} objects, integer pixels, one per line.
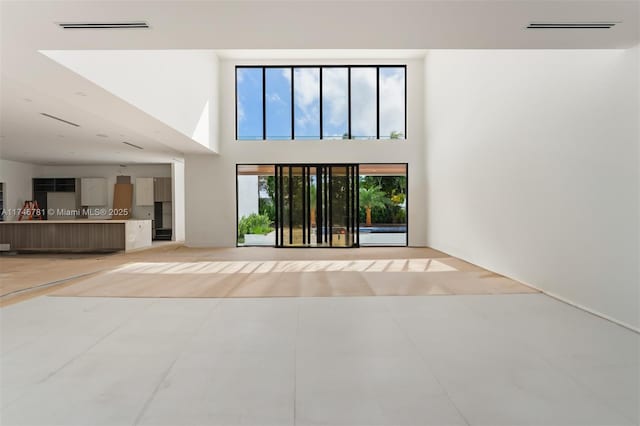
[{"x": 320, "y": 67}]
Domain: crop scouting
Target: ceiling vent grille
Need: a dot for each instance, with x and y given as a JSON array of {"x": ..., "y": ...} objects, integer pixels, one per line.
[
  {"x": 103, "y": 25},
  {"x": 571, "y": 25},
  {"x": 132, "y": 145},
  {"x": 70, "y": 123}
]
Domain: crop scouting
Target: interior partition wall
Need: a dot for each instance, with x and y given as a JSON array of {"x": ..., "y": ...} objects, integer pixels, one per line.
[{"x": 316, "y": 205}]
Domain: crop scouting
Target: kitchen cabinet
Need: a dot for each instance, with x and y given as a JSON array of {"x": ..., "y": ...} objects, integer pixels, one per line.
[
  {"x": 93, "y": 191},
  {"x": 162, "y": 189},
  {"x": 144, "y": 191}
]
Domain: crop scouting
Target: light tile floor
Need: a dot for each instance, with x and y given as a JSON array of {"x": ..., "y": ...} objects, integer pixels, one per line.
[{"x": 522, "y": 359}]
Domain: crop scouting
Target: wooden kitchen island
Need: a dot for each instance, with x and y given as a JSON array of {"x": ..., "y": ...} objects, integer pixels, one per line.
[{"x": 76, "y": 235}]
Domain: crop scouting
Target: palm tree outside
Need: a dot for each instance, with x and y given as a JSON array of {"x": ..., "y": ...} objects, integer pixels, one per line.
[{"x": 371, "y": 198}]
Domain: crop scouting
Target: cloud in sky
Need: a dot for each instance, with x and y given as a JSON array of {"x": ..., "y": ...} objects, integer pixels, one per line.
[
  {"x": 247, "y": 77},
  {"x": 249, "y": 106},
  {"x": 307, "y": 101},
  {"x": 274, "y": 97},
  {"x": 363, "y": 102},
  {"x": 392, "y": 101},
  {"x": 240, "y": 111},
  {"x": 240, "y": 103},
  {"x": 278, "y": 103},
  {"x": 335, "y": 98}
]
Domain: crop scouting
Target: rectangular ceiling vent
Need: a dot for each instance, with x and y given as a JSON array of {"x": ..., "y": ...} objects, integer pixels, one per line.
[
  {"x": 70, "y": 123},
  {"x": 103, "y": 25},
  {"x": 132, "y": 145},
  {"x": 571, "y": 25}
]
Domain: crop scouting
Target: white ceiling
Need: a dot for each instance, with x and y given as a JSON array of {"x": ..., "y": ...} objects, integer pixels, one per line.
[{"x": 240, "y": 29}]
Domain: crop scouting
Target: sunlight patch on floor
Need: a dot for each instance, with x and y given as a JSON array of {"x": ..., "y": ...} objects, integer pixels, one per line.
[{"x": 264, "y": 267}]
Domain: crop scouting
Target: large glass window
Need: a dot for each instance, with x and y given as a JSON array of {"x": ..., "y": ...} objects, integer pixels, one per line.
[
  {"x": 255, "y": 204},
  {"x": 383, "y": 205},
  {"x": 392, "y": 102},
  {"x": 278, "y": 102},
  {"x": 314, "y": 102},
  {"x": 363, "y": 103},
  {"x": 249, "y": 103},
  {"x": 306, "y": 98},
  {"x": 335, "y": 103}
]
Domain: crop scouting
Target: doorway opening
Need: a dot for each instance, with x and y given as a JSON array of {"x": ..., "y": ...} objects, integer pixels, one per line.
[
  {"x": 321, "y": 205},
  {"x": 316, "y": 205}
]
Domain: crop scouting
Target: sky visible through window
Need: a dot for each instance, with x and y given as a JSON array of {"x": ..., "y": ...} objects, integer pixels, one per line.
[
  {"x": 335, "y": 102},
  {"x": 363, "y": 103},
  {"x": 392, "y": 103},
  {"x": 366, "y": 84},
  {"x": 306, "y": 83},
  {"x": 278, "y": 103},
  {"x": 249, "y": 105}
]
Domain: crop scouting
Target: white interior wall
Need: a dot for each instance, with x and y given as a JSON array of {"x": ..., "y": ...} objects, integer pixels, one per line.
[
  {"x": 214, "y": 104},
  {"x": 248, "y": 195},
  {"x": 110, "y": 172},
  {"x": 63, "y": 203},
  {"x": 177, "y": 205},
  {"x": 177, "y": 87},
  {"x": 17, "y": 178},
  {"x": 532, "y": 169},
  {"x": 211, "y": 180}
]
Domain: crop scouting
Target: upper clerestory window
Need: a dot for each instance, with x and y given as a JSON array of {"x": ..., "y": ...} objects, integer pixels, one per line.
[{"x": 321, "y": 102}]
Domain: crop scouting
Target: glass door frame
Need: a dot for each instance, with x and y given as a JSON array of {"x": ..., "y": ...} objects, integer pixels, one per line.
[{"x": 324, "y": 204}]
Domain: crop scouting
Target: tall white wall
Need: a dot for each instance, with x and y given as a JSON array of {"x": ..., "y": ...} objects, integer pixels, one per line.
[
  {"x": 532, "y": 169},
  {"x": 177, "y": 87},
  {"x": 211, "y": 180},
  {"x": 17, "y": 178},
  {"x": 248, "y": 195},
  {"x": 111, "y": 172},
  {"x": 177, "y": 191}
]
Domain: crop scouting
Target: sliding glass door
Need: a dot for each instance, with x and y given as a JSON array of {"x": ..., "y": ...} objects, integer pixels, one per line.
[{"x": 316, "y": 205}]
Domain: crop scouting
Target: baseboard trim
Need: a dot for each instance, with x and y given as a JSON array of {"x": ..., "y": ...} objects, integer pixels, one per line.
[
  {"x": 583, "y": 308},
  {"x": 543, "y": 291}
]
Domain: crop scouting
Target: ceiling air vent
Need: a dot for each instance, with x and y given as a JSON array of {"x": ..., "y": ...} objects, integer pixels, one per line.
[
  {"x": 103, "y": 25},
  {"x": 133, "y": 145},
  {"x": 70, "y": 123},
  {"x": 570, "y": 25}
]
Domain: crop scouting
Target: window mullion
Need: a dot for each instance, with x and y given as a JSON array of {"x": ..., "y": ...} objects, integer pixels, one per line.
[
  {"x": 405, "y": 102},
  {"x": 349, "y": 101},
  {"x": 377, "y": 102},
  {"x": 264, "y": 104},
  {"x": 320, "y": 98},
  {"x": 293, "y": 107}
]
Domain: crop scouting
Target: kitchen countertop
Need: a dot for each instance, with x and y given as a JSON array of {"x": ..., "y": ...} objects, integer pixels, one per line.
[{"x": 78, "y": 221}]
